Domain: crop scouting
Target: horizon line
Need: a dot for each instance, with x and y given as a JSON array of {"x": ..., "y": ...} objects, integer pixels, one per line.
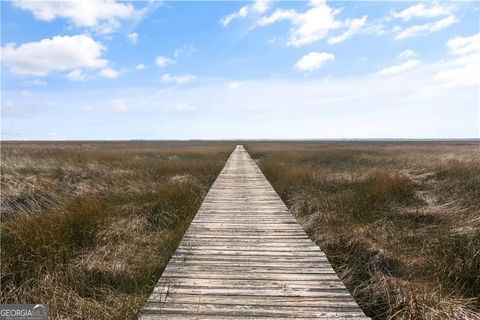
[{"x": 477, "y": 139}]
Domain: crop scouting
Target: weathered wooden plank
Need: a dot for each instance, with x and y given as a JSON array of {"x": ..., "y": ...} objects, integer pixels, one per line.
[
  {"x": 197, "y": 251},
  {"x": 320, "y": 284},
  {"x": 253, "y": 242},
  {"x": 254, "y": 247},
  {"x": 245, "y": 275},
  {"x": 248, "y": 259},
  {"x": 253, "y": 311},
  {"x": 245, "y": 257},
  {"x": 268, "y": 266},
  {"x": 254, "y": 300},
  {"x": 284, "y": 292}
]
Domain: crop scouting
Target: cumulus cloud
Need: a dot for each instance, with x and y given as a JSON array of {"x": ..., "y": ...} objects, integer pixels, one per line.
[
  {"x": 313, "y": 61},
  {"x": 309, "y": 26},
  {"x": 399, "y": 68},
  {"x": 132, "y": 37},
  {"x": 257, "y": 7},
  {"x": 140, "y": 66},
  {"x": 426, "y": 28},
  {"x": 101, "y": 16},
  {"x": 109, "y": 73},
  {"x": 314, "y": 24},
  {"x": 261, "y": 6},
  {"x": 422, "y": 11},
  {"x": 59, "y": 53},
  {"x": 118, "y": 105},
  {"x": 162, "y": 61},
  {"x": 180, "y": 79}
]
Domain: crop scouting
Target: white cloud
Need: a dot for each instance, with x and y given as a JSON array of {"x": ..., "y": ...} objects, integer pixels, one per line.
[
  {"x": 422, "y": 29},
  {"x": 422, "y": 11},
  {"x": 162, "y": 61},
  {"x": 314, "y": 24},
  {"x": 308, "y": 27},
  {"x": 313, "y": 61},
  {"x": 242, "y": 13},
  {"x": 257, "y": 7},
  {"x": 261, "y": 6},
  {"x": 279, "y": 15},
  {"x": 26, "y": 93},
  {"x": 77, "y": 75},
  {"x": 101, "y": 16},
  {"x": 109, "y": 73},
  {"x": 59, "y": 53},
  {"x": 407, "y": 54},
  {"x": 118, "y": 105},
  {"x": 180, "y": 79},
  {"x": 464, "y": 45},
  {"x": 132, "y": 37},
  {"x": 399, "y": 68},
  {"x": 353, "y": 25},
  {"x": 140, "y": 66},
  {"x": 464, "y": 68}
]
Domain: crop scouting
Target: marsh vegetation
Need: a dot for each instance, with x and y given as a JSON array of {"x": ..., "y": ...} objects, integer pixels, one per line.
[
  {"x": 87, "y": 228},
  {"x": 400, "y": 222}
]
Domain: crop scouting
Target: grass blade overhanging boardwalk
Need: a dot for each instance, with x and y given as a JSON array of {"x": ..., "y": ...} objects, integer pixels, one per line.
[{"x": 244, "y": 256}]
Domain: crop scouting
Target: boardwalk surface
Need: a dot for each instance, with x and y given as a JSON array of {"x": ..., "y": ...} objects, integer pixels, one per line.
[{"x": 245, "y": 257}]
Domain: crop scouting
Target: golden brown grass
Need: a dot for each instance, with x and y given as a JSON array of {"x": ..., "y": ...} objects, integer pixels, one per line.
[
  {"x": 400, "y": 222},
  {"x": 87, "y": 228}
]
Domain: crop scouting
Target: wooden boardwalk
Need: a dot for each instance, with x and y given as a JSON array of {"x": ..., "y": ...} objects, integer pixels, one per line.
[{"x": 245, "y": 257}]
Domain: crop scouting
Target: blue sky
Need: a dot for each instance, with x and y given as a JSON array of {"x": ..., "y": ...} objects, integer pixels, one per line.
[{"x": 240, "y": 70}]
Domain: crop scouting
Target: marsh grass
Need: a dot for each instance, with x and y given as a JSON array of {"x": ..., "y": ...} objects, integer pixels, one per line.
[
  {"x": 88, "y": 228},
  {"x": 398, "y": 221}
]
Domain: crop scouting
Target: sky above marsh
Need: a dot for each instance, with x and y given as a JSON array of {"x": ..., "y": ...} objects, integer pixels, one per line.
[{"x": 239, "y": 70}]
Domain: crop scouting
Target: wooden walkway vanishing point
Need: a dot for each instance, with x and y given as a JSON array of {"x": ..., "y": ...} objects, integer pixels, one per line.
[{"x": 245, "y": 257}]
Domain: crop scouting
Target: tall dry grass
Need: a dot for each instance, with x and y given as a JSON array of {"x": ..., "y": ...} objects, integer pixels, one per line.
[
  {"x": 400, "y": 222},
  {"x": 87, "y": 228}
]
